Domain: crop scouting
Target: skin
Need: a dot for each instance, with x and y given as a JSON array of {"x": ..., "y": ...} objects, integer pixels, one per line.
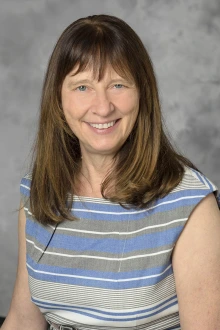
[
  {"x": 196, "y": 265},
  {"x": 112, "y": 98}
]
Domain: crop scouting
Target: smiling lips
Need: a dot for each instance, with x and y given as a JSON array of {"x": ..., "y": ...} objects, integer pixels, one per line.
[{"x": 103, "y": 126}]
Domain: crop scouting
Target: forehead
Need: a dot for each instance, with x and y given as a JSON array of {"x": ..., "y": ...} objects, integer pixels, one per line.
[{"x": 90, "y": 73}]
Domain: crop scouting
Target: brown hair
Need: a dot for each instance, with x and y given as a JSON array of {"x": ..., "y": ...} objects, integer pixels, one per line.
[{"x": 147, "y": 166}]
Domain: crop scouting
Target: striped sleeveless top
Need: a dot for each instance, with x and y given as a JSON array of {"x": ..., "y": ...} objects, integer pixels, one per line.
[{"x": 111, "y": 268}]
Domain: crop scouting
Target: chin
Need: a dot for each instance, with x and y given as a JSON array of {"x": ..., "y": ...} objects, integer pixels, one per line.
[{"x": 104, "y": 151}]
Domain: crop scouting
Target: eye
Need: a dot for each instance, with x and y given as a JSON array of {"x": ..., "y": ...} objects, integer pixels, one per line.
[
  {"x": 81, "y": 88},
  {"x": 119, "y": 86}
]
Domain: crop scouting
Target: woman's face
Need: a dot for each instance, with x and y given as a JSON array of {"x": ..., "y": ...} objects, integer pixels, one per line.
[{"x": 101, "y": 114}]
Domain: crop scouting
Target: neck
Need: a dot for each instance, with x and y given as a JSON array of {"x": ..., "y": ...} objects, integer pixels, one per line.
[{"x": 94, "y": 169}]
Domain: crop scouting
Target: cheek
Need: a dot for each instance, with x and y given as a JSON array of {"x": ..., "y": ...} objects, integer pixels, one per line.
[
  {"x": 69, "y": 108},
  {"x": 74, "y": 106},
  {"x": 130, "y": 105}
]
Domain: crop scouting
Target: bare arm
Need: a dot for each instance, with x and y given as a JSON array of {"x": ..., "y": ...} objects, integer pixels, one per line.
[
  {"x": 23, "y": 314},
  {"x": 196, "y": 264}
]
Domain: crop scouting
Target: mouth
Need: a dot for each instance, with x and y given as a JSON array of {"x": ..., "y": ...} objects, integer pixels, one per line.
[{"x": 104, "y": 125}]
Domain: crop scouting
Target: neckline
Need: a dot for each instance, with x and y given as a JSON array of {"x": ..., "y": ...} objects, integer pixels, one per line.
[{"x": 79, "y": 198}]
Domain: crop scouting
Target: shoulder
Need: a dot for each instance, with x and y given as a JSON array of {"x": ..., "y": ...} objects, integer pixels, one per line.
[
  {"x": 25, "y": 186},
  {"x": 195, "y": 186},
  {"x": 196, "y": 259}
]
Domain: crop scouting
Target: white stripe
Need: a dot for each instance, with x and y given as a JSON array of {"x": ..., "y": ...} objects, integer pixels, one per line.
[
  {"x": 97, "y": 257},
  {"x": 134, "y": 212},
  {"x": 138, "y": 212},
  {"x": 97, "y": 278},
  {"x": 117, "y": 232},
  {"x": 24, "y": 186},
  {"x": 26, "y": 209}
]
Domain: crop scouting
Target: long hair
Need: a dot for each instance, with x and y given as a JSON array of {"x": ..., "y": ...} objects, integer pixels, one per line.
[{"x": 147, "y": 165}]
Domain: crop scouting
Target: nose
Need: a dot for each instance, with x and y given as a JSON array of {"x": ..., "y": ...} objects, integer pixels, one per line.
[{"x": 102, "y": 106}]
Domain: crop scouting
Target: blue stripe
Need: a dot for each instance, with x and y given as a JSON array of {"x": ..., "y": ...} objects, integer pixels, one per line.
[
  {"x": 114, "y": 207},
  {"x": 199, "y": 176},
  {"x": 208, "y": 183},
  {"x": 112, "y": 246},
  {"x": 190, "y": 201},
  {"x": 24, "y": 191},
  {"x": 134, "y": 214},
  {"x": 100, "y": 284},
  {"x": 142, "y": 311},
  {"x": 204, "y": 180},
  {"x": 111, "y": 319},
  {"x": 35, "y": 229}
]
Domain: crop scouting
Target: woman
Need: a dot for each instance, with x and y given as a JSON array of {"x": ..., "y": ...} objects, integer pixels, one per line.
[{"x": 120, "y": 230}]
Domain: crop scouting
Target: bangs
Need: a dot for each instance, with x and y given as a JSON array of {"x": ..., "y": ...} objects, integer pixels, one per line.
[
  {"x": 96, "y": 50},
  {"x": 98, "y": 62}
]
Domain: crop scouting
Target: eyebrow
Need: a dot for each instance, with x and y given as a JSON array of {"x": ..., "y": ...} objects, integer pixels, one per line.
[{"x": 72, "y": 82}]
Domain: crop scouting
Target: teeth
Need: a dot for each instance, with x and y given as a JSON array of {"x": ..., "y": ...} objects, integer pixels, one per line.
[{"x": 102, "y": 126}]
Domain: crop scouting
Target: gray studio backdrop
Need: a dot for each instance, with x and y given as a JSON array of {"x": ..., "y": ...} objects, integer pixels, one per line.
[{"x": 182, "y": 38}]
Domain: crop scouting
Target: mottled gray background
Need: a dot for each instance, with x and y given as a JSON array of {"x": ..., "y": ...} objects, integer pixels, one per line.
[{"x": 182, "y": 38}]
